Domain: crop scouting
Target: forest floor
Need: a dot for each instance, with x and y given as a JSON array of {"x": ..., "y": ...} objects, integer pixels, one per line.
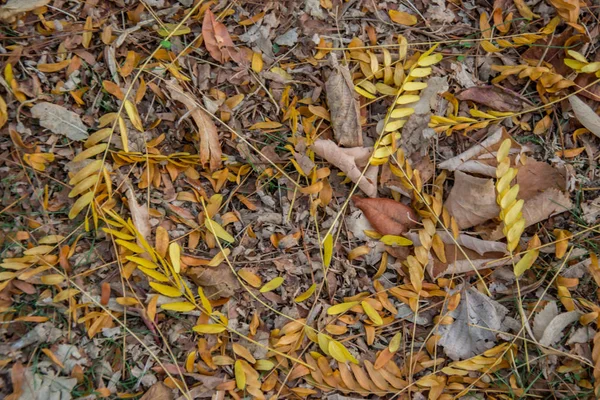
[{"x": 299, "y": 199}]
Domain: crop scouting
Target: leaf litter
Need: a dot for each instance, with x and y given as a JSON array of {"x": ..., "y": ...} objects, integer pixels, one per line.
[{"x": 202, "y": 199}]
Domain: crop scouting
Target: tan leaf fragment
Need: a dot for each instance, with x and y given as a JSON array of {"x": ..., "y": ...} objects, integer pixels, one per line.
[
  {"x": 209, "y": 147},
  {"x": 350, "y": 161},
  {"x": 585, "y": 115},
  {"x": 60, "y": 120},
  {"x": 217, "y": 281},
  {"x": 12, "y": 8},
  {"x": 472, "y": 200},
  {"x": 343, "y": 106}
]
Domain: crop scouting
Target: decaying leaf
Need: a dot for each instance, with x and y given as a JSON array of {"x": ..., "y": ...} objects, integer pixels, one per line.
[
  {"x": 343, "y": 106},
  {"x": 158, "y": 391},
  {"x": 477, "y": 319},
  {"x": 13, "y": 8},
  {"x": 387, "y": 216},
  {"x": 548, "y": 324},
  {"x": 217, "y": 39},
  {"x": 60, "y": 120},
  {"x": 209, "y": 147},
  {"x": 350, "y": 161},
  {"x": 494, "y": 97},
  {"x": 472, "y": 200},
  {"x": 216, "y": 281},
  {"x": 585, "y": 115}
]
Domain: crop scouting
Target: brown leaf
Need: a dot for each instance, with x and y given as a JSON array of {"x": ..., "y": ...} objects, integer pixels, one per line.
[
  {"x": 139, "y": 213},
  {"x": 585, "y": 115},
  {"x": 472, "y": 200},
  {"x": 387, "y": 216},
  {"x": 158, "y": 391},
  {"x": 12, "y": 8},
  {"x": 217, "y": 40},
  {"x": 350, "y": 161},
  {"x": 343, "y": 106},
  {"x": 217, "y": 282},
  {"x": 494, "y": 97},
  {"x": 210, "y": 148}
]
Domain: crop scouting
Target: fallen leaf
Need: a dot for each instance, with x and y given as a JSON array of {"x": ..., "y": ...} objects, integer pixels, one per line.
[
  {"x": 477, "y": 319},
  {"x": 217, "y": 282},
  {"x": 158, "y": 391},
  {"x": 139, "y": 213},
  {"x": 60, "y": 120},
  {"x": 403, "y": 18},
  {"x": 553, "y": 329},
  {"x": 387, "y": 216},
  {"x": 350, "y": 161},
  {"x": 585, "y": 115},
  {"x": 496, "y": 98},
  {"x": 543, "y": 318},
  {"x": 343, "y": 106},
  {"x": 217, "y": 40},
  {"x": 458, "y": 263},
  {"x": 210, "y": 147},
  {"x": 12, "y": 8},
  {"x": 472, "y": 200}
]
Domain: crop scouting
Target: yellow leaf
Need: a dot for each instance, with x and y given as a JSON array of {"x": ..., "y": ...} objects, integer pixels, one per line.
[
  {"x": 84, "y": 185},
  {"x": 407, "y": 98},
  {"x": 393, "y": 240},
  {"x": 55, "y": 67},
  {"x": 64, "y": 295},
  {"x": 340, "y": 353},
  {"x": 139, "y": 260},
  {"x": 427, "y": 60},
  {"x": 414, "y": 86},
  {"x": 38, "y": 250},
  {"x": 171, "y": 29},
  {"x": 341, "y": 308},
  {"x": 204, "y": 300},
  {"x": 86, "y": 171},
  {"x": 154, "y": 274},
  {"x": 358, "y": 252},
  {"x": 420, "y": 72},
  {"x": 542, "y": 125},
  {"x": 403, "y": 18},
  {"x": 87, "y": 33},
  {"x": 327, "y": 250},
  {"x": 126, "y": 301},
  {"x": 175, "y": 255},
  {"x": 52, "y": 279},
  {"x": 257, "y": 62},
  {"x": 489, "y": 47},
  {"x": 402, "y": 112},
  {"x": 264, "y": 365},
  {"x": 179, "y": 306},
  {"x": 395, "y": 342},
  {"x": 300, "y": 298},
  {"x": 130, "y": 246},
  {"x": 133, "y": 115},
  {"x": 503, "y": 150},
  {"x": 166, "y": 290},
  {"x": 209, "y": 328},
  {"x": 81, "y": 202},
  {"x": 371, "y": 313},
  {"x": 53, "y": 357},
  {"x": 266, "y": 125},
  {"x": 218, "y": 230},
  {"x": 92, "y": 151},
  {"x": 124, "y": 136},
  {"x": 272, "y": 285},
  {"x": 240, "y": 375},
  {"x": 364, "y": 93},
  {"x": 250, "y": 277},
  {"x": 438, "y": 248},
  {"x": 526, "y": 262}
]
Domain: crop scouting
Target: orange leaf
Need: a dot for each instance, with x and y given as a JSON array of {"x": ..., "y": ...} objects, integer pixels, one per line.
[
  {"x": 217, "y": 40},
  {"x": 402, "y": 18},
  {"x": 53, "y": 67}
]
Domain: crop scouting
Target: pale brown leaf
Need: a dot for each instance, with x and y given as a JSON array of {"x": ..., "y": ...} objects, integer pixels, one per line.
[
  {"x": 472, "y": 200},
  {"x": 387, "y": 216},
  {"x": 585, "y": 115},
  {"x": 343, "y": 106},
  {"x": 217, "y": 40}
]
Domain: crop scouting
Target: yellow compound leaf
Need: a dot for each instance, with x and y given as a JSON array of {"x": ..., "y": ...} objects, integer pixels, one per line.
[
  {"x": 204, "y": 300},
  {"x": 154, "y": 274},
  {"x": 86, "y": 171},
  {"x": 210, "y": 329},
  {"x": 371, "y": 313},
  {"x": 84, "y": 185},
  {"x": 166, "y": 290},
  {"x": 306, "y": 295},
  {"x": 503, "y": 150},
  {"x": 341, "y": 308},
  {"x": 179, "y": 306},
  {"x": 526, "y": 262},
  {"x": 272, "y": 285},
  {"x": 138, "y": 260},
  {"x": 340, "y": 353},
  {"x": 403, "y": 18},
  {"x": 426, "y": 61},
  {"x": 414, "y": 86},
  {"x": 130, "y": 246},
  {"x": 175, "y": 256}
]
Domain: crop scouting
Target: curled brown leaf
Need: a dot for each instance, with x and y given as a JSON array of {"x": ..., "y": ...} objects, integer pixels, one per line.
[{"x": 387, "y": 216}]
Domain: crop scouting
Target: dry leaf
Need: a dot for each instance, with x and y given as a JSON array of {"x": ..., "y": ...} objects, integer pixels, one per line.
[
  {"x": 343, "y": 106},
  {"x": 60, "y": 120},
  {"x": 496, "y": 98},
  {"x": 12, "y": 8},
  {"x": 217, "y": 281},
  {"x": 350, "y": 161},
  {"x": 472, "y": 200},
  {"x": 459, "y": 264},
  {"x": 158, "y": 391},
  {"x": 403, "y": 18},
  {"x": 477, "y": 319},
  {"x": 543, "y": 319},
  {"x": 217, "y": 40},
  {"x": 553, "y": 331},
  {"x": 139, "y": 213},
  {"x": 210, "y": 148},
  {"x": 585, "y": 115},
  {"x": 387, "y": 216}
]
